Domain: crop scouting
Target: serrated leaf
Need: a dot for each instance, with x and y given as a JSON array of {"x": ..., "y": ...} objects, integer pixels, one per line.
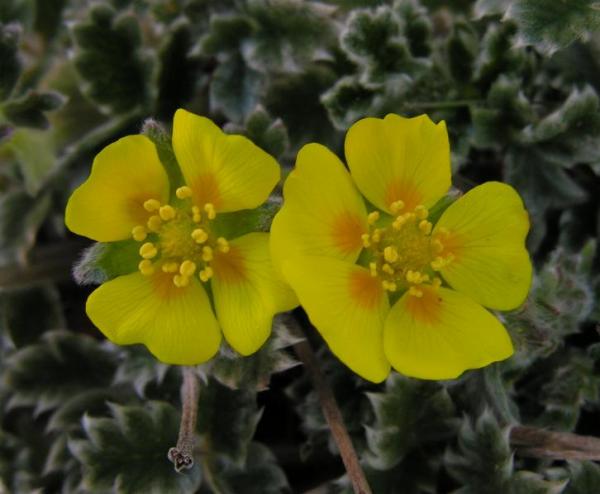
[
  {"x": 28, "y": 110},
  {"x": 26, "y": 313},
  {"x": 347, "y": 101},
  {"x": 108, "y": 58},
  {"x": 128, "y": 453},
  {"x": 409, "y": 414},
  {"x": 226, "y": 420},
  {"x": 10, "y": 65},
  {"x": 550, "y": 25},
  {"x": 44, "y": 374},
  {"x": 138, "y": 368}
]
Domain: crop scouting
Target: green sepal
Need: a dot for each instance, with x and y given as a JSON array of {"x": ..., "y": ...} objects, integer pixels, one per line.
[
  {"x": 238, "y": 223},
  {"x": 104, "y": 261},
  {"x": 162, "y": 140}
]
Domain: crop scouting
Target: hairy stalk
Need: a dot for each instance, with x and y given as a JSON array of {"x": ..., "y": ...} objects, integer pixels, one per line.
[
  {"x": 332, "y": 413},
  {"x": 540, "y": 443},
  {"x": 182, "y": 455}
]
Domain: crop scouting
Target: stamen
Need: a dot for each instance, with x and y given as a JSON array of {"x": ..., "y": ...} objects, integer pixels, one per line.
[
  {"x": 183, "y": 192},
  {"x": 206, "y": 274},
  {"x": 167, "y": 212},
  {"x": 421, "y": 211},
  {"x": 187, "y": 268},
  {"x": 146, "y": 268},
  {"x": 170, "y": 267},
  {"x": 223, "y": 244},
  {"x": 207, "y": 253},
  {"x": 387, "y": 268},
  {"x": 398, "y": 222},
  {"x": 199, "y": 236},
  {"x": 139, "y": 233},
  {"x": 196, "y": 216},
  {"x": 373, "y": 268},
  {"x": 366, "y": 240},
  {"x": 415, "y": 292},
  {"x": 390, "y": 254},
  {"x": 151, "y": 205},
  {"x": 373, "y": 217},
  {"x": 181, "y": 281},
  {"x": 396, "y": 206},
  {"x": 376, "y": 235},
  {"x": 154, "y": 223},
  {"x": 148, "y": 250},
  {"x": 425, "y": 226},
  {"x": 390, "y": 286},
  {"x": 436, "y": 283},
  {"x": 210, "y": 210}
]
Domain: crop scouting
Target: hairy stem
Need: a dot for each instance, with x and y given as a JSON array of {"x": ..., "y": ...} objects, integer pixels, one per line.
[
  {"x": 332, "y": 414},
  {"x": 540, "y": 443},
  {"x": 182, "y": 454}
]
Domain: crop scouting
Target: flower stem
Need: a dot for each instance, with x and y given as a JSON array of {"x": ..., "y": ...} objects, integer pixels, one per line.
[
  {"x": 182, "y": 454},
  {"x": 540, "y": 443},
  {"x": 332, "y": 414}
]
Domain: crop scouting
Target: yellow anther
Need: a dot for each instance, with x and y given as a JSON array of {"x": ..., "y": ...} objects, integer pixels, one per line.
[
  {"x": 199, "y": 236},
  {"x": 387, "y": 268},
  {"x": 210, "y": 210},
  {"x": 421, "y": 211},
  {"x": 183, "y": 192},
  {"x": 438, "y": 263},
  {"x": 187, "y": 268},
  {"x": 415, "y": 292},
  {"x": 396, "y": 206},
  {"x": 398, "y": 222},
  {"x": 223, "y": 244},
  {"x": 437, "y": 246},
  {"x": 170, "y": 267},
  {"x": 376, "y": 235},
  {"x": 154, "y": 223},
  {"x": 180, "y": 280},
  {"x": 390, "y": 254},
  {"x": 167, "y": 212},
  {"x": 373, "y": 217},
  {"x": 436, "y": 283},
  {"x": 207, "y": 253},
  {"x": 425, "y": 226},
  {"x": 151, "y": 205},
  {"x": 139, "y": 233},
  {"x": 206, "y": 274},
  {"x": 366, "y": 239},
  {"x": 148, "y": 250},
  {"x": 373, "y": 268},
  {"x": 390, "y": 286},
  {"x": 146, "y": 268},
  {"x": 196, "y": 216}
]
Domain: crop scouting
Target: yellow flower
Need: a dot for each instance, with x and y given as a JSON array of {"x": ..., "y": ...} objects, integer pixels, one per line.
[
  {"x": 388, "y": 286},
  {"x": 164, "y": 304}
]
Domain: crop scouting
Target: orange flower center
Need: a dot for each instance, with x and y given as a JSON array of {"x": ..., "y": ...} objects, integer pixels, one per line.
[
  {"x": 404, "y": 254},
  {"x": 178, "y": 240}
]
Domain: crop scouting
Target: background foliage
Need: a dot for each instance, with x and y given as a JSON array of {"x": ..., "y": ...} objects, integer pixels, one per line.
[{"x": 518, "y": 83}]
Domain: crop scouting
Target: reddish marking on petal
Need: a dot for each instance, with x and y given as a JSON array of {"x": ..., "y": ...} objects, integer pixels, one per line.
[
  {"x": 346, "y": 230},
  {"x": 426, "y": 309},
  {"x": 365, "y": 290},
  {"x": 403, "y": 190},
  {"x": 453, "y": 244},
  {"x": 163, "y": 285},
  {"x": 205, "y": 190},
  {"x": 230, "y": 267},
  {"x": 135, "y": 207}
]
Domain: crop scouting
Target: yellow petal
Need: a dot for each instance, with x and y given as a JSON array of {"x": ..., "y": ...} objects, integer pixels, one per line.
[
  {"x": 348, "y": 306},
  {"x": 247, "y": 293},
  {"x": 487, "y": 230},
  {"x": 176, "y": 324},
  {"x": 110, "y": 202},
  {"x": 442, "y": 334},
  {"x": 322, "y": 214},
  {"x": 228, "y": 171},
  {"x": 399, "y": 159}
]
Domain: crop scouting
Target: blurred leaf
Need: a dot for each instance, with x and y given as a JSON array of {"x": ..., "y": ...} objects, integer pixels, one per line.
[
  {"x": 28, "y": 111},
  {"x": 138, "y": 367},
  {"x": 585, "y": 478},
  {"x": 127, "y": 453},
  {"x": 26, "y": 313},
  {"x": 484, "y": 8},
  {"x": 347, "y": 101},
  {"x": 463, "y": 47},
  {"x": 550, "y": 25},
  {"x": 10, "y": 64},
  {"x": 43, "y": 375},
  {"x": 108, "y": 58},
  {"x": 48, "y": 16},
  {"x": 226, "y": 34}
]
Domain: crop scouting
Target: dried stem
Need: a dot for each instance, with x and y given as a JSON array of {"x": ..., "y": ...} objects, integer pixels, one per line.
[
  {"x": 332, "y": 414},
  {"x": 540, "y": 443},
  {"x": 182, "y": 454}
]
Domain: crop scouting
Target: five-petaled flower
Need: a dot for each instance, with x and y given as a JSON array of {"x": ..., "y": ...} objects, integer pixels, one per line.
[
  {"x": 381, "y": 282},
  {"x": 186, "y": 258}
]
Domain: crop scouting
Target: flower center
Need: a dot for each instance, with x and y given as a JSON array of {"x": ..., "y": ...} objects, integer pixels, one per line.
[
  {"x": 178, "y": 240},
  {"x": 404, "y": 254}
]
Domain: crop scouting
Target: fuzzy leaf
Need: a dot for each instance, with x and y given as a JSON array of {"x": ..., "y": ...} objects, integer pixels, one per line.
[
  {"x": 128, "y": 452},
  {"x": 28, "y": 111},
  {"x": 550, "y": 25},
  {"x": 10, "y": 65},
  {"x": 108, "y": 58},
  {"x": 347, "y": 101},
  {"x": 44, "y": 374},
  {"x": 138, "y": 367}
]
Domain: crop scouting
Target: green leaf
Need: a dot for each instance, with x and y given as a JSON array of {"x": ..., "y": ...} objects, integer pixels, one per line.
[
  {"x": 483, "y": 8},
  {"x": 104, "y": 261},
  {"x": 347, "y": 101},
  {"x": 10, "y": 65},
  {"x": 138, "y": 368},
  {"x": 48, "y": 17},
  {"x": 25, "y": 314},
  {"x": 108, "y": 57},
  {"x": 28, "y": 111},
  {"x": 408, "y": 415},
  {"x": 128, "y": 452},
  {"x": 45, "y": 374},
  {"x": 550, "y": 25},
  {"x": 585, "y": 478},
  {"x": 226, "y": 421},
  {"x": 226, "y": 34}
]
